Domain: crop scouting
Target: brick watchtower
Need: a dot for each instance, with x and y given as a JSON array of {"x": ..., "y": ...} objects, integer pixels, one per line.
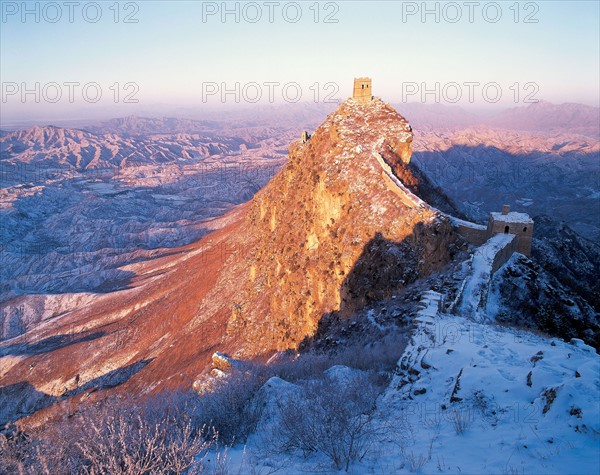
[
  {"x": 362, "y": 90},
  {"x": 511, "y": 222}
]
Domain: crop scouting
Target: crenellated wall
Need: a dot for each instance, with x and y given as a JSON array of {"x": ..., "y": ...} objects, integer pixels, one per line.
[
  {"x": 505, "y": 222},
  {"x": 474, "y": 235}
]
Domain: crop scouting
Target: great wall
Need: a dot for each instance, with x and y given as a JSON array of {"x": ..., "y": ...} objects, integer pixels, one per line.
[{"x": 507, "y": 232}]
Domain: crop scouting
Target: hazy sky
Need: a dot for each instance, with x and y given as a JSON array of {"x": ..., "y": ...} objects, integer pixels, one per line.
[{"x": 187, "y": 53}]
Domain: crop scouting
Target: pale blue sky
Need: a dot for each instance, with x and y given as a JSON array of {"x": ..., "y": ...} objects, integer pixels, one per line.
[{"x": 170, "y": 52}]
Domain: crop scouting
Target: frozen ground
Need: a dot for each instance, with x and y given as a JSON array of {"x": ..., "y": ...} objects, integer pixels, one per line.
[{"x": 468, "y": 398}]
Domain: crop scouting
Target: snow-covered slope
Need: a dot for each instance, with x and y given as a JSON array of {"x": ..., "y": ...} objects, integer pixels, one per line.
[
  {"x": 467, "y": 398},
  {"x": 473, "y": 299},
  {"x": 484, "y": 399}
]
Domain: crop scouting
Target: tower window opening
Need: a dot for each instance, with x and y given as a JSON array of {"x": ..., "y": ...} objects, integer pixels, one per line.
[
  {"x": 525, "y": 229},
  {"x": 506, "y": 229}
]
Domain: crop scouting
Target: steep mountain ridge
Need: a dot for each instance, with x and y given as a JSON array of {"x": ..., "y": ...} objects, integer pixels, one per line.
[
  {"x": 331, "y": 234},
  {"x": 327, "y": 234}
]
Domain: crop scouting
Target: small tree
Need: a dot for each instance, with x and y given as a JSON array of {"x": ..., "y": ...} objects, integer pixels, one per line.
[{"x": 333, "y": 416}]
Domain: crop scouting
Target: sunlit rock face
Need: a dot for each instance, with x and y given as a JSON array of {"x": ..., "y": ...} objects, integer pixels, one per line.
[
  {"x": 339, "y": 226},
  {"x": 330, "y": 233}
]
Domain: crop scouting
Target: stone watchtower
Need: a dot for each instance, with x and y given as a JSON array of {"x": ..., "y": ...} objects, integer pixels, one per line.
[
  {"x": 511, "y": 222},
  {"x": 362, "y": 90}
]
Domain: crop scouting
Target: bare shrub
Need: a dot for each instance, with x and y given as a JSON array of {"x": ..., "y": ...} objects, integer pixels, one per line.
[
  {"x": 380, "y": 355},
  {"x": 22, "y": 453},
  {"x": 229, "y": 408},
  {"x": 301, "y": 367},
  {"x": 13, "y": 454},
  {"x": 415, "y": 462},
  {"x": 332, "y": 417},
  {"x": 461, "y": 420},
  {"x": 124, "y": 442},
  {"x": 378, "y": 358},
  {"x": 117, "y": 437}
]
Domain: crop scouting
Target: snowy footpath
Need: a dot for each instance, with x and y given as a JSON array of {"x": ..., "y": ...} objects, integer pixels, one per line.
[{"x": 474, "y": 292}]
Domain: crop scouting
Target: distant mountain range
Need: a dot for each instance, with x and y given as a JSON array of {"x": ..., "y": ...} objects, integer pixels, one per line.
[
  {"x": 81, "y": 149},
  {"x": 80, "y": 203},
  {"x": 546, "y": 117},
  {"x": 483, "y": 167},
  {"x": 536, "y": 117},
  {"x": 540, "y": 116}
]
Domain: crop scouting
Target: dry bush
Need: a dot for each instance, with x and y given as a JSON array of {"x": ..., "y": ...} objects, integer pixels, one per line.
[
  {"x": 461, "y": 419},
  {"x": 117, "y": 437},
  {"x": 415, "y": 462},
  {"x": 331, "y": 417},
  {"x": 230, "y": 408},
  {"x": 126, "y": 441},
  {"x": 378, "y": 356},
  {"x": 303, "y": 367}
]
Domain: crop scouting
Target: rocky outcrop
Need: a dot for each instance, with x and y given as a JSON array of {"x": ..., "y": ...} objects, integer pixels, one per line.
[
  {"x": 526, "y": 295},
  {"x": 572, "y": 259},
  {"x": 329, "y": 235}
]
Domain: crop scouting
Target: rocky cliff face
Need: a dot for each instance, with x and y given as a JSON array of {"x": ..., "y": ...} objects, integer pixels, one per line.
[
  {"x": 329, "y": 234},
  {"x": 526, "y": 295},
  {"x": 573, "y": 260}
]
